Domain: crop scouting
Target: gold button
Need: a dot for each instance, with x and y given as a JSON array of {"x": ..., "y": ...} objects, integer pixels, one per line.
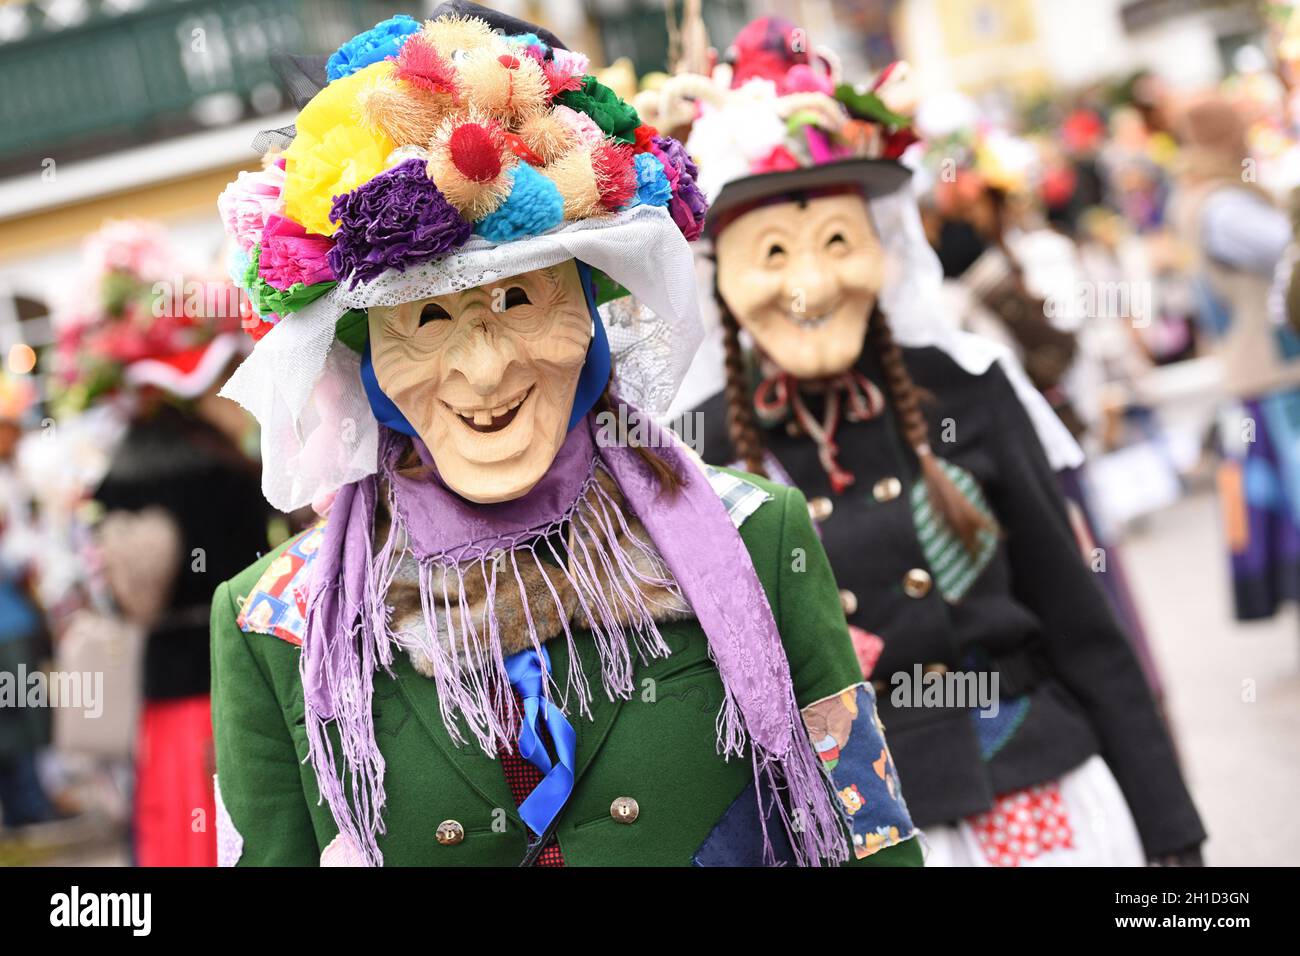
[
  {"x": 880, "y": 686},
  {"x": 624, "y": 810},
  {"x": 887, "y": 489},
  {"x": 792, "y": 428},
  {"x": 916, "y": 583},
  {"x": 819, "y": 509},
  {"x": 936, "y": 669},
  {"x": 450, "y": 832},
  {"x": 849, "y": 601}
]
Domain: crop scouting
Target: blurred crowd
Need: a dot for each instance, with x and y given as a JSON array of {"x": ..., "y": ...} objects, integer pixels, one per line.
[{"x": 1135, "y": 245}]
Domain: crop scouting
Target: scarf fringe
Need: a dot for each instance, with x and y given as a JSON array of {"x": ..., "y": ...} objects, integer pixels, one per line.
[
  {"x": 465, "y": 648},
  {"x": 606, "y": 569}
]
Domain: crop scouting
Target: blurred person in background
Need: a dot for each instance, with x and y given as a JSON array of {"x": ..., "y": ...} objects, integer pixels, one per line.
[
  {"x": 1016, "y": 276},
  {"x": 24, "y": 730},
  {"x": 182, "y": 507},
  {"x": 1238, "y": 235}
]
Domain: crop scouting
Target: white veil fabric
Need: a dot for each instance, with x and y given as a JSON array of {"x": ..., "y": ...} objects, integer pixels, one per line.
[
  {"x": 912, "y": 297},
  {"x": 304, "y": 388}
]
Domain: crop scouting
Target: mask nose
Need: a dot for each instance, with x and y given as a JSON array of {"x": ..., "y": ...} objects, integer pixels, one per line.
[
  {"x": 483, "y": 357},
  {"x": 809, "y": 287}
]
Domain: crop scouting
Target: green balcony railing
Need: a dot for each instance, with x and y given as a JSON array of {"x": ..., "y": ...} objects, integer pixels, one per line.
[{"x": 82, "y": 77}]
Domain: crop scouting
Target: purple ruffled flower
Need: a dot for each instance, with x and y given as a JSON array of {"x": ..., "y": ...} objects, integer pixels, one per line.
[
  {"x": 688, "y": 205},
  {"x": 397, "y": 220}
]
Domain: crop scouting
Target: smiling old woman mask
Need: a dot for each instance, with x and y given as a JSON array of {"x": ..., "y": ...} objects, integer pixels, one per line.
[
  {"x": 487, "y": 376},
  {"x": 802, "y": 277}
]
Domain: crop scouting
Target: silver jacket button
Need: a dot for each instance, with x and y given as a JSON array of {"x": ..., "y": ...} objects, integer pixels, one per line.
[
  {"x": 450, "y": 832},
  {"x": 624, "y": 810}
]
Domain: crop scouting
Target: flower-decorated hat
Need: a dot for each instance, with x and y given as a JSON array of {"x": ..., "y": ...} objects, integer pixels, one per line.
[
  {"x": 437, "y": 157},
  {"x": 136, "y": 320},
  {"x": 777, "y": 119}
]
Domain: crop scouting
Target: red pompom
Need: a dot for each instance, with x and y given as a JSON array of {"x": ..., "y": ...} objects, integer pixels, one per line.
[
  {"x": 615, "y": 174},
  {"x": 475, "y": 151},
  {"x": 508, "y": 61},
  {"x": 421, "y": 65},
  {"x": 557, "y": 80}
]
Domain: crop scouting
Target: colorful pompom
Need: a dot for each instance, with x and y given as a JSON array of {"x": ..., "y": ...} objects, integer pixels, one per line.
[
  {"x": 423, "y": 67},
  {"x": 397, "y": 220},
  {"x": 547, "y": 136},
  {"x": 617, "y": 119},
  {"x": 409, "y": 117},
  {"x": 596, "y": 181},
  {"x": 452, "y": 35},
  {"x": 381, "y": 41},
  {"x": 534, "y": 206},
  {"x": 469, "y": 160},
  {"x": 616, "y": 177},
  {"x": 509, "y": 85},
  {"x": 652, "y": 187}
]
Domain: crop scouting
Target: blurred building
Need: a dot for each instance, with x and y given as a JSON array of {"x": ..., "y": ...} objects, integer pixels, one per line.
[{"x": 1030, "y": 46}]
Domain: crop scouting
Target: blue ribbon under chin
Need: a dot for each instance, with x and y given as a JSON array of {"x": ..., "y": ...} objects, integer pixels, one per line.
[{"x": 591, "y": 380}]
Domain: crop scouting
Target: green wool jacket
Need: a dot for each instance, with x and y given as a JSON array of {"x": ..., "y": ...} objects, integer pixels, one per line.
[{"x": 658, "y": 748}]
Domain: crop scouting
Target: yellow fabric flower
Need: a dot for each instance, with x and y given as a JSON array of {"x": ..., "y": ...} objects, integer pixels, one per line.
[{"x": 333, "y": 152}]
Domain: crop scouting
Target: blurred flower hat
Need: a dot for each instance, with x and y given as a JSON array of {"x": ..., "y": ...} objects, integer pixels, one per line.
[
  {"x": 776, "y": 118},
  {"x": 134, "y": 320},
  {"x": 431, "y": 157}
]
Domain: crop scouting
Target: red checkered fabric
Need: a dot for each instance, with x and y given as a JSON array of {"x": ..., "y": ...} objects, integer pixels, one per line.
[{"x": 522, "y": 777}]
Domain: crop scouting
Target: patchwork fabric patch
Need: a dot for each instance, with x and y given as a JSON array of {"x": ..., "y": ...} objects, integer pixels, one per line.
[
  {"x": 741, "y": 497},
  {"x": 1024, "y": 825},
  {"x": 847, "y": 734},
  {"x": 277, "y": 604},
  {"x": 953, "y": 567}
]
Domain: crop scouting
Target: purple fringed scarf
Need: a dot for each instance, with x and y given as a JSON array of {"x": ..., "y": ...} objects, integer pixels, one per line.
[{"x": 348, "y": 633}]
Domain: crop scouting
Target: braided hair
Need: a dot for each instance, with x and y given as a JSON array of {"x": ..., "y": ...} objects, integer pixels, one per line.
[{"x": 957, "y": 511}]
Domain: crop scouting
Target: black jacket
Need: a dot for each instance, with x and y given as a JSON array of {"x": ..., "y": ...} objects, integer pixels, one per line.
[
  {"x": 177, "y": 462},
  {"x": 1070, "y": 686}
]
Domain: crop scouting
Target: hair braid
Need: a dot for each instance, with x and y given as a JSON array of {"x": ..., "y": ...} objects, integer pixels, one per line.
[
  {"x": 956, "y": 510},
  {"x": 742, "y": 429}
]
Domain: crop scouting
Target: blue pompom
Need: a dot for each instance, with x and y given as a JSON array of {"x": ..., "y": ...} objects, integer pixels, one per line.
[
  {"x": 376, "y": 44},
  {"x": 534, "y": 206},
  {"x": 527, "y": 40},
  {"x": 652, "y": 186}
]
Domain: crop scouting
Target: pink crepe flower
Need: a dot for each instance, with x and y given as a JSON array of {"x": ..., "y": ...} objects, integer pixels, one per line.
[
  {"x": 291, "y": 254},
  {"x": 584, "y": 128},
  {"x": 247, "y": 203}
]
